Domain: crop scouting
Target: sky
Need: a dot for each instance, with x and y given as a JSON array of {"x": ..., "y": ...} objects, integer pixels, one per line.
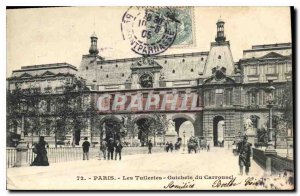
[{"x": 55, "y": 35}]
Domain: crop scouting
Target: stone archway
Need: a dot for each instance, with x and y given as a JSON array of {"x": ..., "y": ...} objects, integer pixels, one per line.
[
  {"x": 110, "y": 127},
  {"x": 218, "y": 130}
]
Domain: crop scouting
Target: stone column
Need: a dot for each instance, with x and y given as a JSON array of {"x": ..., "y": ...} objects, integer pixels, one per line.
[
  {"x": 21, "y": 154},
  {"x": 269, "y": 153}
]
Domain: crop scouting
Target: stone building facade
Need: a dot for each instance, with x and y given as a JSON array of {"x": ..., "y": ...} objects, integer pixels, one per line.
[{"x": 220, "y": 94}]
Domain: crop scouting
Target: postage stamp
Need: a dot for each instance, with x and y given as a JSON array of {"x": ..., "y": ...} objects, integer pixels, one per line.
[{"x": 150, "y": 31}]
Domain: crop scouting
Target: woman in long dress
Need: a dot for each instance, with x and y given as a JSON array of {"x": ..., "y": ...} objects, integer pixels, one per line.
[{"x": 41, "y": 158}]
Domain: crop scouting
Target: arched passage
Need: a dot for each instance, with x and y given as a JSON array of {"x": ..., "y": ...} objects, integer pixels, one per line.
[
  {"x": 184, "y": 123},
  {"x": 218, "y": 130},
  {"x": 110, "y": 127},
  {"x": 145, "y": 129}
]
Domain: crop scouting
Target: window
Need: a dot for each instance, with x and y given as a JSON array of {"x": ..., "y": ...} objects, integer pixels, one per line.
[
  {"x": 87, "y": 68},
  {"x": 116, "y": 65},
  {"x": 271, "y": 69},
  {"x": 48, "y": 105},
  {"x": 183, "y": 60},
  {"x": 219, "y": 57},
  {"x": 219, "y": 91},
  {"x": 253, "y": 98},
  {"x": 253, "y": 70},
  {"x": 209, "y": 97},
  {"x": 173, "y": 71},
  {"x": 228, "y": 96},
  {"x": 192, "y": 70},
  {"x": 122, "y": 75},
  {"x": 166, "y": 61},
  {"x": 202, "y": 58},
  {"x": 289, "y": 68},
  {"x": 101, "y": 67},
  {"x": 107, "y": 76}
]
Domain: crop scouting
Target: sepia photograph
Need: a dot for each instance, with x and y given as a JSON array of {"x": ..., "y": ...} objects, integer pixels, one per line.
[{"x": 171, "y": 98}]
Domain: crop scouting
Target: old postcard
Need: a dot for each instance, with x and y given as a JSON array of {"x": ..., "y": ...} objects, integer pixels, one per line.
[{"x": 150, "y": 98}]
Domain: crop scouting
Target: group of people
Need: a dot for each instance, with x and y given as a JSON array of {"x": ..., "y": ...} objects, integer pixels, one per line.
[
  {"x": 244, "y": 151},
  {"x": 169, "y": 147},
  {"x": 109, "y": 148}
]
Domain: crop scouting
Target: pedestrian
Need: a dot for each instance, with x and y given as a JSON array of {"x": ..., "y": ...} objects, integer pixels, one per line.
[
  {"x": 244, "y": 152},
  {"x": 167, "y": 146},
  {"x": 171, "y": 146},
  {"x": 85, "y": 147},
  {"x": 208, "y": 147},
  {"x": 150, "y": 145},
  {"x": 110, "y": 149},
  {"x": 39, "y": 149},
  {"x": 118, "y": 150},
  {"x": 103, "y": 149}
]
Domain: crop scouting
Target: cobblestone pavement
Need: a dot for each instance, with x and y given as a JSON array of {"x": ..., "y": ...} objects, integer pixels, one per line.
[{"x": 166, "y": 171}]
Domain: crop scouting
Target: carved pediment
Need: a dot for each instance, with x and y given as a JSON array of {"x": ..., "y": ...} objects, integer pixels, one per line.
[
  {"x": 25, "y": 75},
  {"x": 272, "y": 55},
  {"x": 48, "y": 73}
]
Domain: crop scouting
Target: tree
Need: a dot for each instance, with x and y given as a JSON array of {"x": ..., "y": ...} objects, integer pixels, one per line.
[
  {"x": 70, "y": 115},
  {"x": 285, "y": 104}
]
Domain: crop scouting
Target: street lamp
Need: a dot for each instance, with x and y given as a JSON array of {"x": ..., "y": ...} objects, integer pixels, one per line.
[
  {"x": 24, "y": 108},
  {"x": 183, "y": 140},
  {"x": 270, "y": 103},
  {"x": 22, "y": 148},
  {"x": 270, "y": 151}
]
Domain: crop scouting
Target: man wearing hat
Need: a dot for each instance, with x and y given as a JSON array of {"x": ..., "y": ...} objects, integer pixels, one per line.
[
  {"x": 110, "y": 149},
  {"x": 85, "y": 147},
  {"x": 244, "y": 151}
]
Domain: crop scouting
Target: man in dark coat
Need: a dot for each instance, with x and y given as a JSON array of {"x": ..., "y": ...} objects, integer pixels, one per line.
[
  {"x": 85, "y": 147},
  {"x": 150, "y": 145},
  {"x": 118, "y": 147},
  {"x": 171, "y": 146},
  {"x": 244, "y": 151},
  {"x": 110, "y": 149}
]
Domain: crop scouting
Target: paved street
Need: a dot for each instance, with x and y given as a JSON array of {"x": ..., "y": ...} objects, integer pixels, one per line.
[{"x": 167, "y": 166}]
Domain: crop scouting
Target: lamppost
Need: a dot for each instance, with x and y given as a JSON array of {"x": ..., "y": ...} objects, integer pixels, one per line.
[
  {"x": 22, "y": 146},
  {"x": 270, "y": 151},
  {"x": 270, "y": 103},
  {"x": 183, "y": 140}
]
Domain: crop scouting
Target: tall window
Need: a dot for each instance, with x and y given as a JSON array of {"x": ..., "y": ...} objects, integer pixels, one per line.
[
  {"x": 289, "y": 67},
  {"x": 253, "y": 70},
  {"x": 253, "y": 98},
  {"x": 228, "y": 96},
  {"x": 210, "y": 97},
  {"x": 219, "y": 97},
  {"x": 271, "y": 69}
]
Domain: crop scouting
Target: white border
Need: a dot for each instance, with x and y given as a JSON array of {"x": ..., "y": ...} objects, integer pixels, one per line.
[{"x": 5, "y": 3}]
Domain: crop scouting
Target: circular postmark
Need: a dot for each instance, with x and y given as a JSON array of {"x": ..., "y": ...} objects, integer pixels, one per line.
[{"x": 150, "y": 30}]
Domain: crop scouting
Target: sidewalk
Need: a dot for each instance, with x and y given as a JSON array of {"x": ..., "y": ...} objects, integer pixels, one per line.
[{"x": 95, "y": 174}]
